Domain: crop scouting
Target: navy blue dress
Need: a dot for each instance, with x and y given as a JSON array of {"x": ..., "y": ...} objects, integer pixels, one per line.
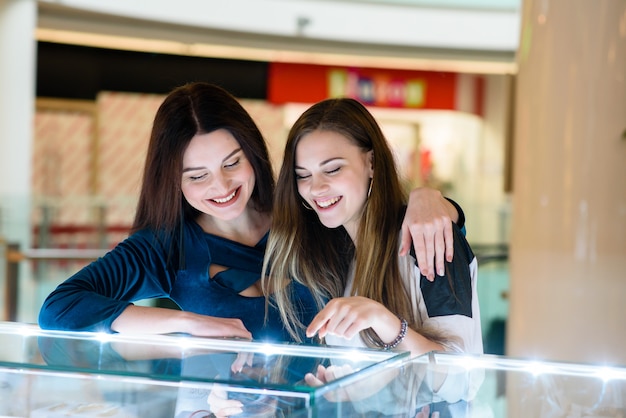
[{"x": 149, "y": 265}]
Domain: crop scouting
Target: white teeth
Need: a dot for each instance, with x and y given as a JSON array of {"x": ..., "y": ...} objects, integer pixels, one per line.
[
  {"x": 327, "y": 203},
  {"x": 226, "y": 199}
]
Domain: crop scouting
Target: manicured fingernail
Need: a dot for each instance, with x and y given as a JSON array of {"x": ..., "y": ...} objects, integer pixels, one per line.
[{"x": 440, "y": 272}]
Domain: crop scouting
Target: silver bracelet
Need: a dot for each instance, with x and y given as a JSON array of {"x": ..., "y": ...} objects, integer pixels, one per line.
[{"x": 403, "y": 327}]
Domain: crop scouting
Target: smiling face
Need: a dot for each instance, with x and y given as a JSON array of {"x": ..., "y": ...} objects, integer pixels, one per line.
[
  {"x": 333, "y": 177},
  {"x": 217, "y": 178}
]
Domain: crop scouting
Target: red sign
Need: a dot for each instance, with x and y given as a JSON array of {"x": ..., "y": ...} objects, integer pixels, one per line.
[{"x": 303, "y": 83}]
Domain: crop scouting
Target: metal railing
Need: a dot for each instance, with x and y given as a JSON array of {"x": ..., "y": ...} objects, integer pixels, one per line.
[{"x": 10, "y": 258}]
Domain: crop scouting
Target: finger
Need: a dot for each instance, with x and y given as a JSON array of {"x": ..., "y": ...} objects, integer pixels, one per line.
[
  {"x": 319, "y": 373},
  {"x": 440, "y": 252},
  {"x": 429, "y": 241},
  {"x": 312, "y": 380},
  {"x": 323, "y": 331},
  {"x": 243, "y": 333},
  {"x": 240, "y": 330},
  {"x": 217, "y": 393},
  {"x": 312, "y": 329},
  {"x": 218, "y": 400},
  {"x": 339, "y": 326},
  {"x": 332, "y": 373},
  {"x": 419, "y": 244},
  {"x": 341, "y": 371},
  {"x": 315, "y": 326},
  {"x": 241, "y": 360},
  {"x": 318, "y": 323},
  {"x": 449, "y": 238},
  {"x": 357, "y": 324},
  {"x": 424, "y": 413},
  {"x": 235, "y": 329}
]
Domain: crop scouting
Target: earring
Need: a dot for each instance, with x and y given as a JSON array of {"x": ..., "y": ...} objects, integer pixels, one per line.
[
  {"x": 306, "y": 205},
  {"x": 369, "y": 191}
]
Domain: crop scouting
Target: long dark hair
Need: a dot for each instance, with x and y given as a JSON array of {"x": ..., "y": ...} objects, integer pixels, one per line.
[{"x": 195, "y": 108}]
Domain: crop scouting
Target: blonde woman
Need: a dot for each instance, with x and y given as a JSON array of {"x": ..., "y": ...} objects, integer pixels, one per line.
[{"x": 337, "y": 230}]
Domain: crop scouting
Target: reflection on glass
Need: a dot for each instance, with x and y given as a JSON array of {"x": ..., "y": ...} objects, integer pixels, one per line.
[{"x": 54, "y": 374}]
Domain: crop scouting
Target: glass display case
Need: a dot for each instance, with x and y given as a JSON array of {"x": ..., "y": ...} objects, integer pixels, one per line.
[
  {"x": 71, "y": 374},
  {"x": 64, "y": 374},
  {"x": 439, "y": 385}
]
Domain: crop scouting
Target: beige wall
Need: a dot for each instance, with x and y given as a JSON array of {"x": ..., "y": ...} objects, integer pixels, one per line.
[{"x": 568, "y": 243}]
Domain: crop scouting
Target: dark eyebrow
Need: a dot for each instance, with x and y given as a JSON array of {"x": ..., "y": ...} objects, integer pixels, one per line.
[
  {"x": 231, "y": 154},
  {"x": 322, "y": 163},
  {"x": 225, "y": 158}
]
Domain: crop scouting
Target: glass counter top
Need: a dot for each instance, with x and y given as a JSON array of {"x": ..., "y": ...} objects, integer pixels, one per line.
[
  {"x": 439, "y": 385},
  {"x": 53, "y": 373},
  {"x": 63, "y": 374}
]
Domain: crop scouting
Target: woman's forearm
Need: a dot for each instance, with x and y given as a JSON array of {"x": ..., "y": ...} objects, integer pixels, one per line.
[{"x": 151, "y": 320}]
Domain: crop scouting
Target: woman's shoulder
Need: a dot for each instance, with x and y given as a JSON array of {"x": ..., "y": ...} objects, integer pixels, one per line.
[{"x": 187, "y": 235}]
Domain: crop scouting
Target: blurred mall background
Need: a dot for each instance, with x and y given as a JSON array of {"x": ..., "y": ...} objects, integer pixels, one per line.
[{"x": 514, "y": 108}]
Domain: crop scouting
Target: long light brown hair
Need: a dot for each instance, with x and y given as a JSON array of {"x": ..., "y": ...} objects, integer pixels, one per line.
[{"x": 300, "y": 248}]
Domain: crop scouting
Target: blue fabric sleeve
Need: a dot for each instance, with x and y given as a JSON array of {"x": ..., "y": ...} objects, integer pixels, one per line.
[{"x": 91, "y": 299}]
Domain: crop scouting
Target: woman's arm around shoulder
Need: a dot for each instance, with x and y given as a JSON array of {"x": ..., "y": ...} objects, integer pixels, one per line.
[{"x": 427, "y": 227}]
